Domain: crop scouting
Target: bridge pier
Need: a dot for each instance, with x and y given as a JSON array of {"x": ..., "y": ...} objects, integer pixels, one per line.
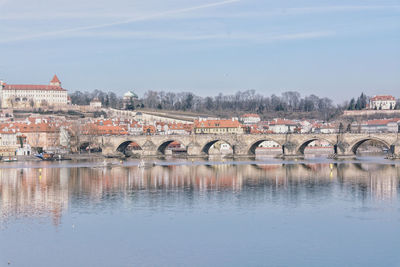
[
  {"x": 194, "y": 150},
  {"x": 244, "y": 145},
  {"x": 240, "y": 151},
  {"x": 290, "y": 151},
  {"x": 343, "y": 150},
  {"x": 395, "y": 150}
]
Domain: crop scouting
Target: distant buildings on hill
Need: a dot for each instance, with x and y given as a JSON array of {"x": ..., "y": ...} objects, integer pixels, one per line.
[
  {"x": 250, "y": 119},
  {"x": 130, "y": 100},
  {"x": 33, "y": 95},
  {"x": 377, "y": 126},
  {"x": 382, "y": 102}
]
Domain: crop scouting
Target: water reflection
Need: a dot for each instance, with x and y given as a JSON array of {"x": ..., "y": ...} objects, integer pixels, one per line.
[{"x": 49, "y": 192}]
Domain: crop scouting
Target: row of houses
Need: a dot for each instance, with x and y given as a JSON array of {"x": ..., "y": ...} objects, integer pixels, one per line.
[
  {"x": 133, "y": 127},
  {"x": 281, "y": 126},
  {"x": 377, "y": 126},
  {"x": 54, "y": 133},
  {"x": 33, "y": 135}
]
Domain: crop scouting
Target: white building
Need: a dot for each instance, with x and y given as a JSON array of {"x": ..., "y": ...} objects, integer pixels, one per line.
[
  {"x": 250, "y": 119},
  {"x": 282, "y": 126},
  {"x": 95, "y": 103},
  {"x": 25, "y": 150},
  {"x": 135, "y": 129},
  {"x": 269, "y": 144},
  {"x": 382, "y": 102},
  {"x": 323, "y": 128},
  {"x": 32, "y": 95},
  {"x": 377, "y": 126},
  {"x": 306, "y": 126}
]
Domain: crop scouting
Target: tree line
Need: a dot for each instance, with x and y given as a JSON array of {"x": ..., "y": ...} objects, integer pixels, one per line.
[
  {"x": 109, "y": 99},
  {"x": 248, "y": 101}
]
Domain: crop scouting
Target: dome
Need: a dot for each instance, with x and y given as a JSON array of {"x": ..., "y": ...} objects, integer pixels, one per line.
[{"x": 130, "y": 94}]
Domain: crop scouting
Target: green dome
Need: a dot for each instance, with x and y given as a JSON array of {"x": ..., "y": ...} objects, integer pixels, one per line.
[{"x": 130, "y": 94}]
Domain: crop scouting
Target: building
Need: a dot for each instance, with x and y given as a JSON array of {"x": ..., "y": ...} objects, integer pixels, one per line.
[
  {"x": 8, "y": 140},
  {"x": 377, "y": 126},
  {"x": 180, "y": 128},
  {"x": 161, "y": 127},
  {"x": 95, "y": 103},
  {"x": 24, "y": 149},
  {"x": 32, "y": 95},
  {"x": 135, "y": 128},
  {"x": 217, "y": 127},
  {"x": 41, "y": 133},
  {"x": 250, "y": 119},
  {"x": 382, "y": 102},
  {"x": 324, "y": 128},
  {"x": 130, "y": 99},
  {"x": 149, "y": 129},
  {"x": 282, "y": 126}
]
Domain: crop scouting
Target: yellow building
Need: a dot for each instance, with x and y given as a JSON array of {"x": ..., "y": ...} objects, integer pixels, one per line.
[
  {"x": 8, "y": 141},
  {"x": 217, "y": 127}
]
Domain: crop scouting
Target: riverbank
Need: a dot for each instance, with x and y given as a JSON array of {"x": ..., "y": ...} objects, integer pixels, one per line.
[{"x": 85, "y": 156}]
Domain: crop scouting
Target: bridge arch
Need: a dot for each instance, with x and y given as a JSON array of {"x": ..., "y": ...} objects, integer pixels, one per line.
[
  {"x": 206, "y": 147},
  {"x": 355, "y": 145},
  {"x": 161, "y": 148},
  {"x": 89, "y": 147},
  {"x": 123, "y": 147},
  {"x": 304, "y": 144},
  {"x": 252, "y": 148}
]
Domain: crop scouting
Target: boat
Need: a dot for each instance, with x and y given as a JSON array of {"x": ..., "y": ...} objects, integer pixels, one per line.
[
  {"x": 61, "y": 157},
  {"x": 45, "y": 156},
  {"x": 9, "y": 159}
]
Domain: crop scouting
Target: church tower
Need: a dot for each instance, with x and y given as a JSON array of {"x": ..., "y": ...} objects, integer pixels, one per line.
[{"x": 55, "y": 81}]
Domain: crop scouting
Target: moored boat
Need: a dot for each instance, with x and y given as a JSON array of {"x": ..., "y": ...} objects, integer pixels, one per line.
[
  {"x": 9, "y": 159},
  {"x": 45, "y": 156}
]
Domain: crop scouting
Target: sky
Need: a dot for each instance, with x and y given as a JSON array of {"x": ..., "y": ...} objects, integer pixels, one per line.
[{"x": 332, "y": 48}]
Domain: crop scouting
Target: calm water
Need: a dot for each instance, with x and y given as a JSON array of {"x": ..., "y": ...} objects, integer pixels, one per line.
[{"x": 309, "y": 213}]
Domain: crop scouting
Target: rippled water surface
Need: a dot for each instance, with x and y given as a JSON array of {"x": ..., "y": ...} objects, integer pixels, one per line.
[{"x": 261, "y": 213}]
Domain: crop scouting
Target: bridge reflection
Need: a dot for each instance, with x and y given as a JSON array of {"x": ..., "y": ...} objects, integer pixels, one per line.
[{"x": 49, "y": 192}]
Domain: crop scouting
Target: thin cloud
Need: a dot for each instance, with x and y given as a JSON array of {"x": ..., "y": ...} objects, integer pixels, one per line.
[
  {"x": 271, "y": 12},
  {"x": 325, "y": 9},
  {"x": 187, "y": 36},
  {"x": 278, "y": 12},
  {"x": 127, "y": 21}
]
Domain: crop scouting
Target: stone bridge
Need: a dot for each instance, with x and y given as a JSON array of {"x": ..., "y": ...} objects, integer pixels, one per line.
[{"x": 345, "y": 145}]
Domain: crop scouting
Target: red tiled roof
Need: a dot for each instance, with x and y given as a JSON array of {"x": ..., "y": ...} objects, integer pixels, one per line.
[
  {"x": 282, "y": 122},
  {"x": 217, "y": 124},
  {"x": 149, "y": 128},
  {"x": 180, "y": 126},
  {"x": 94, "y": 129},
  {"x": 33, "y": 87},
  {"x": 381, "y": 121},
  {"x": 383, "y": 98},
  {"x": 8, "y": 129},
  {"x": 33, "y": 127},
  {"x": 250, "y": 115},
  {"x": 55, "y": 79}
]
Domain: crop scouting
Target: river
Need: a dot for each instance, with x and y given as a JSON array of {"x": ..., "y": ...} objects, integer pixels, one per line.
[{"x": 313, "y": 212}]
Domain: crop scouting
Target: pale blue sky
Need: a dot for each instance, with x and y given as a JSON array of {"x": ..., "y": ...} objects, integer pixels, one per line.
[{"x": 330, "y": 48}]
